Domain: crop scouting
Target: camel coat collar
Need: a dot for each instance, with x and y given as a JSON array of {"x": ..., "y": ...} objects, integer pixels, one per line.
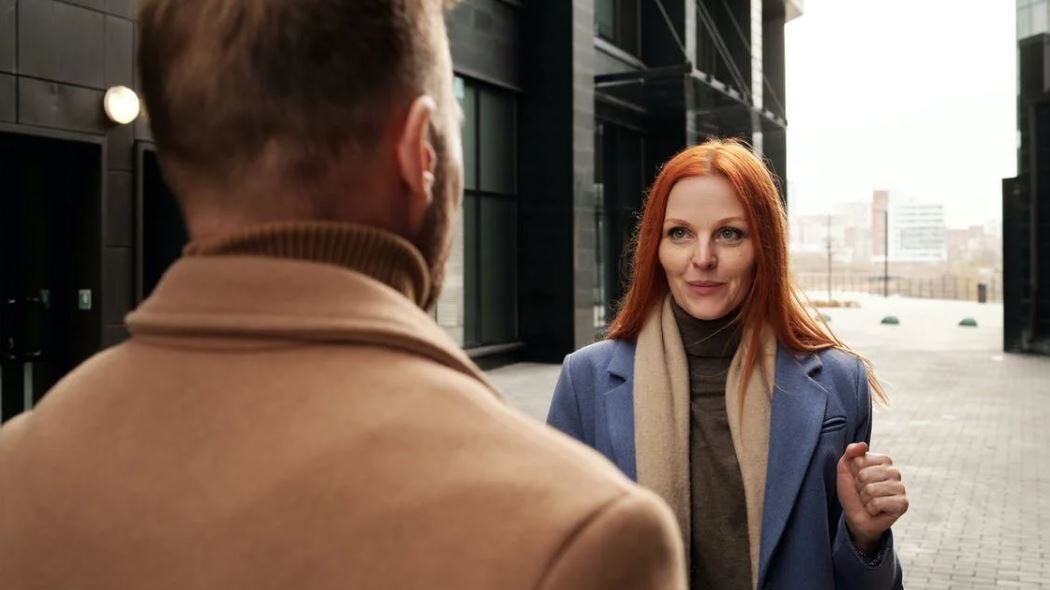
[
  {"x": 250, "y": 298},
  {"x": 661, "y": 413}
]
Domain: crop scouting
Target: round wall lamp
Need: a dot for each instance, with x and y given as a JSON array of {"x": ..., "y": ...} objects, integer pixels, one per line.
[{"x": 121, "y": 104}]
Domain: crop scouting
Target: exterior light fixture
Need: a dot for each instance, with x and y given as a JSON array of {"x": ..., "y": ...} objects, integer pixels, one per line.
[{"x": 121, "y": 105}]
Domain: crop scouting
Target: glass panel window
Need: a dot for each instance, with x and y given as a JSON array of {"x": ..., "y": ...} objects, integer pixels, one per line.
[
  {"x": 1033, "y": 18},
  {"x": 601, "y": 257},
  {"x": 605, "y": 18},
  {"x": 471, "y": 277},
  {"x": 617, "y": 21},
  {"x": 490, "y": 216},
  {"x": 619, "y": 188},
  {"x": 468, "y": 102},
  {"x": 1039, "y": 19},
  {"x": 499, "y": 269},
  {"x": 497, "y": 142}
]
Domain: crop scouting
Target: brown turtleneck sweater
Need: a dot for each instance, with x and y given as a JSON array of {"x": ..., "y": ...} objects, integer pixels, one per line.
[
  {"x": 720, "y": 550},
  {"x": 386, "y": 257}
]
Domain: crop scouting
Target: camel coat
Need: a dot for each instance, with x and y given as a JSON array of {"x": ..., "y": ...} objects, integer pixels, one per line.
[{"x": 277, "y": 423}]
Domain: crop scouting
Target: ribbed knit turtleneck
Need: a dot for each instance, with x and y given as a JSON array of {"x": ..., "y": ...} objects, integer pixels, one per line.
[
  {"x": 383, "y": 256},
  {"x": 720, "y": 549},
  {"x": 709, "y": 346}
]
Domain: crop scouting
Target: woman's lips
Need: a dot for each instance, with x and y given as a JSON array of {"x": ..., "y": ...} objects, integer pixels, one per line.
[{"x": 704, "y": 287}]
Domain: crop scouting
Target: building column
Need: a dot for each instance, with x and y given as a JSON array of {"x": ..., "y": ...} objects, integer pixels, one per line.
[
  {"x": 774, "y": 137},
  {"x": 556, "y": 207}
]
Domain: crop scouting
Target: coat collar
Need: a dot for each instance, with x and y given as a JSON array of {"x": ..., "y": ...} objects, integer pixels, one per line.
[
  {"x": 622, "y": 362},
  {"x": 798, "y": 408},
  {"x": 809, "y": 364},
  {"x": 257, "y": 298}
]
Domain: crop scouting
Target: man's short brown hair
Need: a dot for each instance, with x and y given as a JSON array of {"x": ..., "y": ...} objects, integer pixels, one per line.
[{"x": 224, "y": 80}]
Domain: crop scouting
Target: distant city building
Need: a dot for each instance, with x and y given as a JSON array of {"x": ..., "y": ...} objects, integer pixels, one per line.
[
  {"x": 810, "y": 234},
  {"x": 880, "y": 203},
  {"x": 855, "y": 220},
  {"x": 974, "y": 246},
  {"x": 917, "y": 229},
  {"x": 918, "y": 232}
]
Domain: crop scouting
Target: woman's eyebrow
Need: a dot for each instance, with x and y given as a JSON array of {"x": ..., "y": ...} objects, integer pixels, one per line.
[{"x": 677, "y": 221}]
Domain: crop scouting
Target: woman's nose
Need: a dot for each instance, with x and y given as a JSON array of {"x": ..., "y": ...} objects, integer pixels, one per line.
[{"x": 704, "y": 256}]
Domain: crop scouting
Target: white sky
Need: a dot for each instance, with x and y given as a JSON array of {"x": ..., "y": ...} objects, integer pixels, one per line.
[{"x": 915, "y": 96}]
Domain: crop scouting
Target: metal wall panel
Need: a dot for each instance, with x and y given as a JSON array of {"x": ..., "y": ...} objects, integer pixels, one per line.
[
  {"x": 7, "y": 35},
  {"x": 61, "y": 106},
  {"x": 61, "y": 42}
]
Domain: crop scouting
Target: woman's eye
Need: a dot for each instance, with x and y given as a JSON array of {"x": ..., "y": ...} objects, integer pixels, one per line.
[
  {"x": 730, "y": 234},
  {"x": 678, "y": 233}
]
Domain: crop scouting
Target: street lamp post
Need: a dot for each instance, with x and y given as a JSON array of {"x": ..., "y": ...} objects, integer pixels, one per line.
[
  {"x": 829, "y": 260},
  {"x": 886, "y": 252}
]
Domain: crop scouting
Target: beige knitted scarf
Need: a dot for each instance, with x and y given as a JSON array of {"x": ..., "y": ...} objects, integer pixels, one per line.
[{"x": 661, "y": 420}]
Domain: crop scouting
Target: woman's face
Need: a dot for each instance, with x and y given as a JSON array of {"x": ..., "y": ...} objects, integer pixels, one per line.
[{"x": 706, "y": 249}]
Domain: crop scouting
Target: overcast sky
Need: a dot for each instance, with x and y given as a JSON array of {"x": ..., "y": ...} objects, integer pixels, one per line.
[{"x": 914, "y": 96}]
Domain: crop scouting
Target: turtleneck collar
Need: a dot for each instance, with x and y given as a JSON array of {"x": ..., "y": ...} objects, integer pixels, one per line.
[
  {"x": 383, "y": 256},
  {"x": 707, "y": 338}
]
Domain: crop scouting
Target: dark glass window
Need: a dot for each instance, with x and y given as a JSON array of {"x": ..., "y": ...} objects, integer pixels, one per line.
[
  {"x": 490, "y": 215},
  {"x": 499, "y": 310},
  {"x": 617, "y": 21},
  {"x": 601, "y": 238},
  {"x": 497, "y": 134},
  {"x": 470, "y": 138},
  {"x": 619, "y": 177}
]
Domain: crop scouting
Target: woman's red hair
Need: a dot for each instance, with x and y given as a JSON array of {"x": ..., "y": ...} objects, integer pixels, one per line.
[{"x": 773, "y": 299}]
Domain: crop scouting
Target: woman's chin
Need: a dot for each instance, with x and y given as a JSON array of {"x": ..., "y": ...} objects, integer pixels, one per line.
[{"x": 706, "y": 310}]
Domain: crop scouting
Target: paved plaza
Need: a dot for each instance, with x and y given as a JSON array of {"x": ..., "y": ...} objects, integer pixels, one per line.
[{"x": 969, "y": 426}]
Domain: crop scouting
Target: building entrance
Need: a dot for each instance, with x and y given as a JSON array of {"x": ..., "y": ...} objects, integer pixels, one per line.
[{"x": 50, "y": 253}]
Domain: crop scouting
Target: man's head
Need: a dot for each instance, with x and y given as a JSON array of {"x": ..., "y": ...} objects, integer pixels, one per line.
[{"x": 271, "y": 110}]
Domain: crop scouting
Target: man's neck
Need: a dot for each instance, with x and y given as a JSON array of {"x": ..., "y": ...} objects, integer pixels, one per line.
[{"x": 374, "y": 252}]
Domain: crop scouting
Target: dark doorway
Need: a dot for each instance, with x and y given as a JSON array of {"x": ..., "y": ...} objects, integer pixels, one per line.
[
  {"x": 619, "y": 176},
  {"x": 50, "y": 253},
  {"x": 163, "y": 233}
]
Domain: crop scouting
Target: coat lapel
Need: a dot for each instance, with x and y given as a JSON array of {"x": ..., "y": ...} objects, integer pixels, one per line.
[
  {"x": 798, "y": 407},
  {"x": 618, "y": 403}
]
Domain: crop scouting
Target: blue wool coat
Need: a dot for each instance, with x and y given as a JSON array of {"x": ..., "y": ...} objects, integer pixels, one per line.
[{"x": 821, "y": 404}]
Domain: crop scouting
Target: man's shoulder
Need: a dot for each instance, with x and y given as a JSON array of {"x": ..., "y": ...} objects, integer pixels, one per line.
[
  {"x": 478, "y": 422},
  {"x": 374, "y": 433}
]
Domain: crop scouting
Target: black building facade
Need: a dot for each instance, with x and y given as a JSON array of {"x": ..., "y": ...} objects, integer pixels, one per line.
[
  {"x": 1026, "y": 198},
  {"x": 571, "y": 106}
]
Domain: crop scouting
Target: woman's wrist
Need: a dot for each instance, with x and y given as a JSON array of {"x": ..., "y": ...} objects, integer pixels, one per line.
[{"x": 866, "y": 544}]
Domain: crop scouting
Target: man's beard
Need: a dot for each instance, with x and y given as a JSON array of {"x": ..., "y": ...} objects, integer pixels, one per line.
[{"x": 435, "y": 238}]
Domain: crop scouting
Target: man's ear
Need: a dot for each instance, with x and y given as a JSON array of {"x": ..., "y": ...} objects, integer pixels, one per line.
[{"x": 416, "y": 157}]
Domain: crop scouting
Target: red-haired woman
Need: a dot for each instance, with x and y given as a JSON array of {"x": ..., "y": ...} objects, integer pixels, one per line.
[{"x": 717, "y": 390}]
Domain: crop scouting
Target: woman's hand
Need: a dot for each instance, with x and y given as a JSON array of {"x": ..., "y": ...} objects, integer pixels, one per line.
[{"x": 871, "y": 494}]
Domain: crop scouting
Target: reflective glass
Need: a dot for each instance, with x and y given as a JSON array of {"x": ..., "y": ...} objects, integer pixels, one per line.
[
  {"x": 498, "y": 142},
  {"x": 499, "y": 269},
  {"x": 470, "y": 137},
  {"x": 471, "y": 276}
]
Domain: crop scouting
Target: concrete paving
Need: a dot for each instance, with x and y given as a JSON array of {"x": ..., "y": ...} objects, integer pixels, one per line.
[{"x": 968, "y": 427}]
